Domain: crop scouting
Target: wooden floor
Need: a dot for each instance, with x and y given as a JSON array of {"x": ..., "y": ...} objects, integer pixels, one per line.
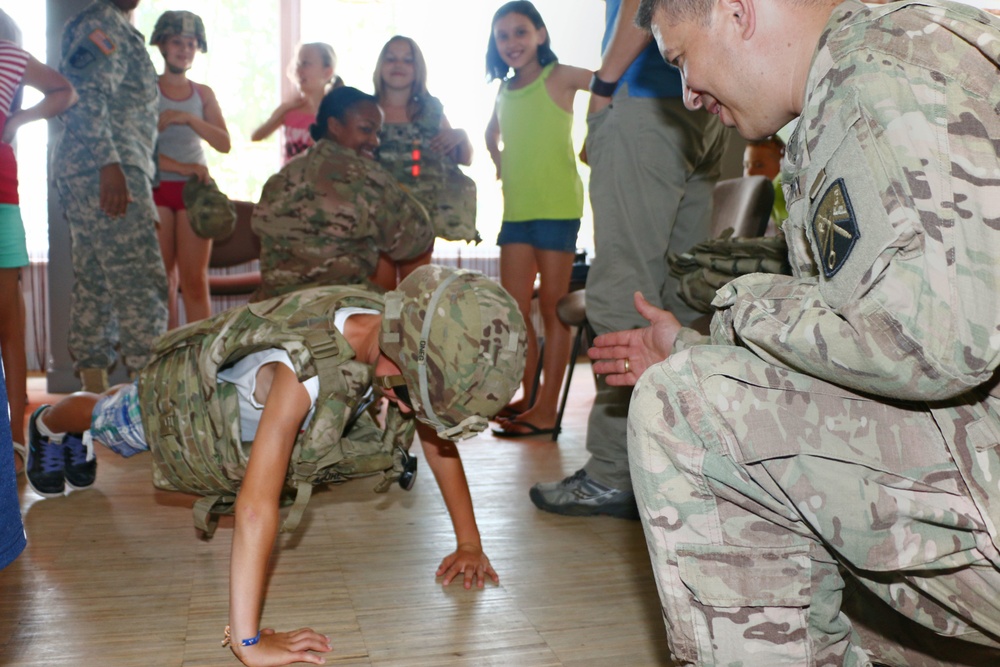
[{"x": 116, "y": 575}]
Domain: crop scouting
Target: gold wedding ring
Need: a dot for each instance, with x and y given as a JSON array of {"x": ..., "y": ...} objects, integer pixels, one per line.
[{"x": 627, "y": 365}]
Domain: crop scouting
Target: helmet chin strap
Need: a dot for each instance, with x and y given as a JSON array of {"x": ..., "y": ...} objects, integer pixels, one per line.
[{"x": 431, "y": 418}]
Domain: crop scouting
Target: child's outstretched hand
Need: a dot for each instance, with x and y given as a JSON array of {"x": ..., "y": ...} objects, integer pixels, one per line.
[
  {"x": 284, "y": 648},
  {"x": 471, "y": 562}
]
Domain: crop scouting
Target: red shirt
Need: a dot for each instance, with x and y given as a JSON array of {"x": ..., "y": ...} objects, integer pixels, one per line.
[{"x": 13, "y": 61}]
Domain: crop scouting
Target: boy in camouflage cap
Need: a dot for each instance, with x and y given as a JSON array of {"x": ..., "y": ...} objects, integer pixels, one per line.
[
  {"x": 818, "y": 483},
  {"x": 289, "y": 374}
]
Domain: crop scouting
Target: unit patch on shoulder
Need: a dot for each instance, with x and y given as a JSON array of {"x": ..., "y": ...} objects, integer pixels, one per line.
[
  {"x": 834, "y": 228},
  {"x": 81, "y": 58},
  {"x": 102, "y": 42}
]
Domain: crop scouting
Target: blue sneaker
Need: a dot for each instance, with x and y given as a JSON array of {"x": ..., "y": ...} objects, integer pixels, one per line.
[
  {"x": 81, "y": 464},
  {"x": 46, "y": 461}
]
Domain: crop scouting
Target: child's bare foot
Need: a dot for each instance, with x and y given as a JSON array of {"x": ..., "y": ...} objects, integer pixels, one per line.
[{"x": 529, "y": 424}]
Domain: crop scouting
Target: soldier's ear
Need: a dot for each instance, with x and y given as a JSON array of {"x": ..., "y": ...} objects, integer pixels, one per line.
[{"x": 334, "y": 129}]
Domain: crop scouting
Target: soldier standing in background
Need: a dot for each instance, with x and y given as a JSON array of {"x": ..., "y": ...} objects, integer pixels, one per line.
[
  {"x": 818, "y": 484},
  {"x": 325, "y": 217},
  {"x": 104, "y": 169}
]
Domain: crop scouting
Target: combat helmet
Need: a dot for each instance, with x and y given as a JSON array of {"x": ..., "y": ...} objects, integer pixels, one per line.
[
  {"x": 179, "y": 22},
  {"x": 211, "y": 213},
  {"x": 459, "y": 340}
]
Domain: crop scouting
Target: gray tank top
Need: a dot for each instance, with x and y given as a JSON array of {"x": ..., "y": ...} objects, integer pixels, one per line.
[{"x": 180, "y": 142}]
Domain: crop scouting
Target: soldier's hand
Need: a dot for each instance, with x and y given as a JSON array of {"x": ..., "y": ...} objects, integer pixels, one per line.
[
  {"x": 284, "y": 648},
  {"x": 114, "y": 194},
  {"x": 469, "y": 563},
  {"x": 622, "y": 356}
]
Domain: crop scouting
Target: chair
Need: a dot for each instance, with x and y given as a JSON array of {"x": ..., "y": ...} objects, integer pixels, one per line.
[
  {"x": 743, "y": 205},
  {"x": 241, "y": 247},
  {"x": 572, "y": 311}
]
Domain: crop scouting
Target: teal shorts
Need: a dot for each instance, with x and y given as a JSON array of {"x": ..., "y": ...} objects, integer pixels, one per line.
[{"x": 13, "y": 247}]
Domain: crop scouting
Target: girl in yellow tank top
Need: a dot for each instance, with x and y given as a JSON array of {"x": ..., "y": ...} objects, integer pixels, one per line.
[{"x": 543, "y": 195}]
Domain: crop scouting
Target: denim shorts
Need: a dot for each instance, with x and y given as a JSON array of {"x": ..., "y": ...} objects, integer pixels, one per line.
[
  {"x": 557, "y": 235},
  {"x": 117, "y": 423},
  {"x": 13, "y": 249}
]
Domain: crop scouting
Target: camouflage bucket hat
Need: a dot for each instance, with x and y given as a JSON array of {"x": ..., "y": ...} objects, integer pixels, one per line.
[
  {"x": 212, "y": 214},
  {"x": 459, "y": 340},
  {"x": 179, "y": 23}
]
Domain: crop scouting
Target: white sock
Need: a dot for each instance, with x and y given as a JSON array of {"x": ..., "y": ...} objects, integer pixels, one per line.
[{"x": 53, "y": 437}]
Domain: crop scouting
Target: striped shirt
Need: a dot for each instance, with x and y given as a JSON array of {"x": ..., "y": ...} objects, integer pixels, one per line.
[{"x": 13, "y": 60}]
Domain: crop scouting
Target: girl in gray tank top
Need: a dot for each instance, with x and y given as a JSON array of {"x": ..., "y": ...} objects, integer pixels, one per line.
[{"x": 189, "y": 114}]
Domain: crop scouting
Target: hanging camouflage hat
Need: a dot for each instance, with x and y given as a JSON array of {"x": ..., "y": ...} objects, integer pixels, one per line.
[
  {"x": 212, "y": 214},
  {"x": 179, "y": 23},
  {"x": 459, "y": 340}
]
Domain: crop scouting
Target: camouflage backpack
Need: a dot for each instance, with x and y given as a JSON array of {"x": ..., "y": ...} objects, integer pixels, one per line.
[
  {"x": 433, "y": 179},
  {"x": 192, "y": 421},
  {"x": 705, "y": 268}
]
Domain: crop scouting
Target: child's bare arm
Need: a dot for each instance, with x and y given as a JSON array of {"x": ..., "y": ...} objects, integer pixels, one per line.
[
  {"x": 184, "y": 168},
  {"x": 564, "y": 83},
  {"x": 285, "y": 406},
  {"x": 212, "y": 128},
  {"x": 468, "y": 559},
  {"x": 268, "y": 127},
  {"x": 493, "y": 140}
]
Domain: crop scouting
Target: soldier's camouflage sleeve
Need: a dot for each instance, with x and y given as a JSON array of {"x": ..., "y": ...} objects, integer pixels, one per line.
[
  {"x": 93, "y": 64},
  {"x": 402, "y": 225},
  {"x": 893, "y": 190}
]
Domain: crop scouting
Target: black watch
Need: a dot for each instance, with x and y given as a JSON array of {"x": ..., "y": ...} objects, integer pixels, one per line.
[{"x": 602, "y": 88}]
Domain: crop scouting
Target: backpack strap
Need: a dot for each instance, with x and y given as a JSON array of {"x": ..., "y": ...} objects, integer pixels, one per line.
[
  {"x": 303, "y": 492},
  {"x": 207, "y": 511}
]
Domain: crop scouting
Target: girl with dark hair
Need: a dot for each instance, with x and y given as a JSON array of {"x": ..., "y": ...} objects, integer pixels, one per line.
[
  {"x": 325, "y": 217},
  {"x": 419, "y": 147},
  {"x": 542, "y": 191}
]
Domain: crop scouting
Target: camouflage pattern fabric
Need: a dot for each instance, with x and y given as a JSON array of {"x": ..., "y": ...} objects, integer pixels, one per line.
[
  {"x": 192, "y": 422},
  {"x": 324, "y": 218},
  {"x": 120, "y": 287},
  {"x": 459, "y": 339},
  {"x": 105, "y": 59},
  {"x": 844, "y": 422},
  {"x": 703, "y": 269},
  {"x": 211, "y": 212},
  {"x": 434, "y": 179},
  {"x": 179, "y": 22},
  {"x": 119, "y": 284}
]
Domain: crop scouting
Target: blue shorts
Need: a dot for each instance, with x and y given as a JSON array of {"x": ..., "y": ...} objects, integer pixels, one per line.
[
  {"x": 13, "y": 247},
  {"x": 117, "y": 423},
  {"x": 559, "y": 235}
]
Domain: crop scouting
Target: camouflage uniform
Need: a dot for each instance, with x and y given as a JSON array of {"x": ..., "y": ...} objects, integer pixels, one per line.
[
  {"x": 120, "y": 287},
  {"x": 404, "y": 151},
  {"x": 324, "y": 218},
  {"x": 842, "y": 429}
]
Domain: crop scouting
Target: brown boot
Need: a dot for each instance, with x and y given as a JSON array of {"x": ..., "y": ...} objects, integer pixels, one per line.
[{"x": 95, "y": 380}]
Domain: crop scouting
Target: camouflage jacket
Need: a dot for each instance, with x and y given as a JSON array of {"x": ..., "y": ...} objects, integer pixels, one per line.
[
  {"x": 434, "y": 179},
  {"x": 105, "y": 58},
  {"x": 892, "y": 180},
  {"x": 325, "y": 217},
  {"x": 192, "y": 421}
]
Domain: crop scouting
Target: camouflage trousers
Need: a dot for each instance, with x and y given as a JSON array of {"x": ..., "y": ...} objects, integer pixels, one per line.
[
  {"x": 767, "y": 495},
  {"x": 120, "y": 285}
]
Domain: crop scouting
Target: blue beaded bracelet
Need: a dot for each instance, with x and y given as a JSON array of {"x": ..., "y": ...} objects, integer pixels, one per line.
[
  {"x": 243, "y": 642},
  {"x": 251, "y": 641}
]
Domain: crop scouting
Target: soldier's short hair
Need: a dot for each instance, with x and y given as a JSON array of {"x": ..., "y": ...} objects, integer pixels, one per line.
[{"x": 337, "y": 104}]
